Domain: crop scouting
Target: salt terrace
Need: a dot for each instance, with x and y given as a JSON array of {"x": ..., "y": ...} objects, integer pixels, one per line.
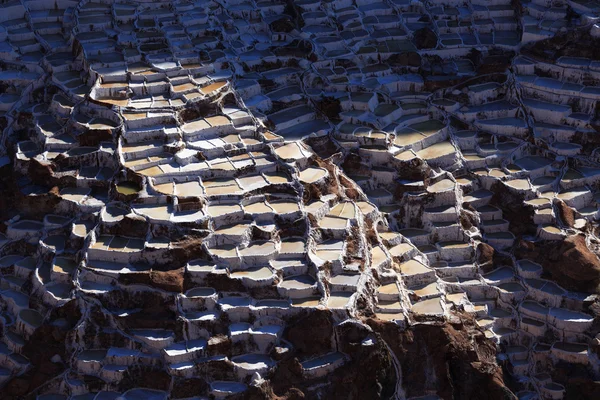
[{"x": 186, "y": 180}]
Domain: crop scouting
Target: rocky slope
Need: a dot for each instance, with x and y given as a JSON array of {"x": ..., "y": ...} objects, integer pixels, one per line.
[{"x": 299, "y": 199}]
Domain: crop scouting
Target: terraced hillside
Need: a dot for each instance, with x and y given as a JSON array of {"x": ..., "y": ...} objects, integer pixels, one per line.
[{"x": 309, "y": 199}]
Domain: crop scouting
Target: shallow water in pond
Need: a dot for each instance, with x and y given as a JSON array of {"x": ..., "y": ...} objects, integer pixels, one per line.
[{"x": 128, "y": 188}]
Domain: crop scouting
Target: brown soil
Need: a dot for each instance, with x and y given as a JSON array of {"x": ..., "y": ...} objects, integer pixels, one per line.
[
  {"x": 425, "y": 38},
  {"x": 145, "y": 377},
  {"x": 454, "y": 360},
  {"x": 171, "y": 281},
  {"x": 93, "y": 137},
  {"x": 574, "y": 43},
  {"x": 130, "y": 226},
  {"x": 566, "y": 214},
  {"x": 519, "y": 215},
  {"x": 184, "y": 388},
  {"x": 319, "y": 339},
  {"x": 46, "y": 342},
  {"x": 569, "y": 262},
  {"x": 406, "y": 59},
  {"x": 489, "y": 259}
]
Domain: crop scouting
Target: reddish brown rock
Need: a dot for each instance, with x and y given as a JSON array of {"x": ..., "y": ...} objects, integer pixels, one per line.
[
  {"x": 145, "y": 377},
  {"x": 485, "y": 256},
  {"x": 219, "y": 344},
  {"x": 455, "y": 361},
  {"x": 570, "y": 262},
  {"x": 171, "y": 281},
  {"x": 93, "y": 137},
  {"x": 132, "y": 225},
  {"x": 519, "y": 215},
  {"x": 311, "y": 334},
  {"x": 488, "y": 258},
  {"x": 565, "y": 213}
]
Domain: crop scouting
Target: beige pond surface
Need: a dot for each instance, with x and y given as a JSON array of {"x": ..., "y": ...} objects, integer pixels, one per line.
[
  {"x": 464, "y": 181},
  {"x": 345, "y": 279},
  {"x": 405, "y": 155},
  {"x": 456, "y": 298},
  {"x": 200, "y": 266},
  {"x": 217, "y": 210},
  {"x": 74, "y": 194},
  {"x": 441, "y": 186},
  {"x": 252, "y": 182},
  {"x": 165, "y": 188},
  {"x": 114, "y": 101},
  {"x": 212, "y": 87},
  {"x": 258, "y": 249},
  {"x": 390, "y": 316},
  {"x": 102, "y": 242},
  {"x": 306, "y": 302},
  {"x": 429, "y": 306},
  {"x": 497, "y": 173},
  {"x": 377, "y": 255},
  {"x": 329, "y": 222},
  {"x": 292, "y": 246},
  {"x": 390, "y": 288},
  {"x": 254, "y": 273},
  {"x": 545, "y": 211},
  {"x": 413, "y": 267},
  {"x": 573, "y": 193},
  {"x": 234, "y": 229},
  {"x": 195, "y": 126},
  {"x": 389, "y": 235},
  {"x": 222, "y": 187},
  {"x": 472, "y": 157},
  {"x": 224, "y": 251},
  {"x": 184, "y": 87},
  {"x": 298, "y": 282},
  {"x": 548, "y": 195},
  {"x": 365, "y": 208},
  {"x": 155, "y": 211},
  {"x": 551, "y": 229},
  {"x": 389, "y": 305},
  {"x": 454, "y": 245},
  {"x": 338, "y": 299},
  {"x": 401, "y": 249},
  {"x": 152, "y": 171},
  {"x": 285, "y": 207},
  {"x": 538, "y": 202},
  {"x": 128, "y": 188},
  {"x": 292, "y": 151},
  {"x": 520, "y": 184},
  {"x": 343, "y": 210},
  {"x": 82, "y": 228},
  {"x": 314, "y": 206},
  {"x": 312, "y": 175},
  {"x": 189, "y": 189},
  {"x": 426, "y": 290},
  {"x": 408, "y": 137},
  {"x": 437, "y": 150},
  {"x": 277, "y": 178},
  {"x": 330, "y": 250},
  {"x": 260, "y": 207}
]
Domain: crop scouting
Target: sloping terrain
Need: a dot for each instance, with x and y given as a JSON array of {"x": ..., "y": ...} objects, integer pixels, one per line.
[{"x": 299, "y": 199}]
